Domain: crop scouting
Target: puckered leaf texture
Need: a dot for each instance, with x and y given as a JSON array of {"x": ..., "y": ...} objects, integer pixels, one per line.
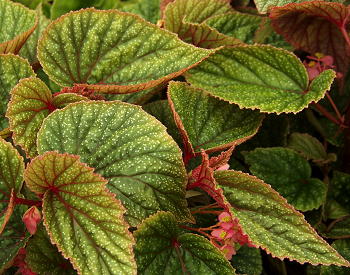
[
  {"x": 129, "y": 148},
  {"x": 81, "y": 216}
]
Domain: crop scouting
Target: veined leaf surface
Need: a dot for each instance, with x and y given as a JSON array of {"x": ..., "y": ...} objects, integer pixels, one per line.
[
  {"x": 11, "y": 179},
  {"x": 12, "y": 69},
  {"x": 162, "y": 248},
  {"x": 211, "y": 124},
  {"x": 289, "y": 174},
  {"x": 44, "y": 258},
  {"x": 113, "y": 52},
  {"x": 260, "y": 77},
  {"x": 272, "y": 223},
  {"x": 17, "y": 23},
  {"x": 129, "y": 148},
  {"x": 81, "y": 216},
  {"x": 32, "y": 101}
]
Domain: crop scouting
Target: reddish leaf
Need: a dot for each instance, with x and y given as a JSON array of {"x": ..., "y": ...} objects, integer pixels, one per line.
[
  {"x": 314, "y": 27},
  {"x": 31, "y": 219}
]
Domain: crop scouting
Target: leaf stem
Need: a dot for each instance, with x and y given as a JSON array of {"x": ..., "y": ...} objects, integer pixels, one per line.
[
  {"x": 27, "y": 202},
  {"x": 345, "y": 34},
  {"x": 327, "y": 114},
  {"x": 339, "y": 116}
]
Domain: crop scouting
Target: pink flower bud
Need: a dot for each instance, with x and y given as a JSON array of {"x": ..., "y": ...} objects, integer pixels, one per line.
[
  {"x": 228, "y": 251},
  {"x": 31, "y": 219},
  {"x": 224, "y": 167}
]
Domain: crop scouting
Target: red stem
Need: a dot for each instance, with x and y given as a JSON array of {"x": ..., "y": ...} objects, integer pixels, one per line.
[
  {"x": 345, "y": 34},
  {"x": 328, "y": 115},
  {"x": 340, "y": 118},
  {"x": 27, "y": 202}
]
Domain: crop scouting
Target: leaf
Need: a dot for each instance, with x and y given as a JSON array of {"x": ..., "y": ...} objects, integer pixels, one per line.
[
  {"x": 315, "y": 28},
  {"x": 248, "y": 261},
  {"x": 236, "y": 24},
  {"x": 289, "y": 174},
  {"x": 18, "y": 22},
  {"x": 340, "y": 229},
  {"x": 272, "y": 223},
  {"x": 129, "y": 148},
  {"x": 341, "y": 188},
  {"x": 147, "y": 9},
  {"x": 260, "y": 77},
  {"x": 89, "y": 47},
  {"x": 81, "y": 216},
  {"x": 12, "y": 239},
  {"x": 264, "y": 6},
  {"x": 186, "y": 18},
  {"x": 60, "y": 7},
  {"x": 160, "y": 109},
  {"x": 32, "y": 101},
  {"x": 12, "y": 69},
  {"x": 29, "y": 49},
  {"x": 211, "y": 124},
  {"x": 343, "y": 246},
  {"x": 11, "y": 180},
  {"x": 309, "y": 147},
  {"x": 161, "y": 248},
  {"x": 43, "y": 257}
]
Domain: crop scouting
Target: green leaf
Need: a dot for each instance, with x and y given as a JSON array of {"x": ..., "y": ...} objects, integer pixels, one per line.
[
  {"x": 12, "y": 69},
  {"x": 314, "y": 27},
  {"x": 29, "y": 49},
  {"x": 147, "y": 9},
  {"x": 11, "y": 180},
  {"x": 260, "y": 77},
  {"x": 129, "y": 148},
  {"x": 161, "y": 248},
  {"x": 310, "y": 147},
  {"x": 211, "y": 124},
  {"x": 289, "y": 174},
  {"x": 43, "y": 257},
  {"x": 18, "y": 22},
  {"x": 272, "y": 223},
  {"x": 61, "y": 7},
  {"x": 340, "y": 229},
  {"x": 341, "y": 188},
  {"x": 236, "y": 24},
  {"x": 13, "y": 238},
  {"x": 81, "y": 216},
  {"x": 160, "y": 109},
  {"x": 343, "y": 246},
  {"x": 186, "y": 18},
  {"x": 264, "y": 6},
  {"x": 113, "y": 52},
  {"x": 32, "y": 101},
  {"x": 247, "y": 261}
]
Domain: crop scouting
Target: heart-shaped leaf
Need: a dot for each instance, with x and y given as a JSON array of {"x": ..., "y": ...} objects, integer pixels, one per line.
[
  {"x": 289, "y": 174},
  {"x": 161, "y": 248},
  {"x": 211, "y": 124},
  {"x": 11, "y": 180},
  {"x": 129, "y": 148},
  {"x": 32, "y": 101},
  {"x": 12, "y": 69},
  {"x": 18, "y": 22},
  {"x": 239, "y": 25},
  {"x": 272, "y": 223},
  {"x": 260, "y": 77},
  {"x": 113, "y": 52},
  {"x": 43, "y": 257},
  {"x": 81, "y": 216},
  {"x": 315, "y": 27}
]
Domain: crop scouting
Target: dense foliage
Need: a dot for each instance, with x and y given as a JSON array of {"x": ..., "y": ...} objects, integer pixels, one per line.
[{"x": 174, "y": 137}]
